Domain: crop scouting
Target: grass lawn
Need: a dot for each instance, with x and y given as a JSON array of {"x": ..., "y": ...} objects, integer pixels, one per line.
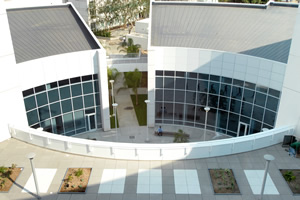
[{"x": 141, "y": 109}]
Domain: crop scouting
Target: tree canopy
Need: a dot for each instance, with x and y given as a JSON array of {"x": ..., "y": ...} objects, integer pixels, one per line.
[{"x": 133, "y": 80}]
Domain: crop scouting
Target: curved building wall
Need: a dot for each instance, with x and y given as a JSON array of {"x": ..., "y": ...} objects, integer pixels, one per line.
[{"x": 242, "y": 91}]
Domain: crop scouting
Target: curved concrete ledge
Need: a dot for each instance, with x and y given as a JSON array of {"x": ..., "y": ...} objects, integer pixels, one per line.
[{"x": 143, "y": 151}]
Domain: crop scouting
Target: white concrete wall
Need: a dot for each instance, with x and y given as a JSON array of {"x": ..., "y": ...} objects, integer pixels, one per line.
[
  {"x": 141, "y": 39},
  {"x": 30, "y": 3},
  {"x": 7, "y": 82},
  {"x": 141, "y": 26},
  {"x": 289, "y": 108},
  {"x": 129, "y": 151},
  {"x": 251, "y": 69}
]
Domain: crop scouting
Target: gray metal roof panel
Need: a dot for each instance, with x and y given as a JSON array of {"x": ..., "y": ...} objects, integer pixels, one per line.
[
  {"x": 46, "y": 31},
  {"x": 255, "y": 31}
]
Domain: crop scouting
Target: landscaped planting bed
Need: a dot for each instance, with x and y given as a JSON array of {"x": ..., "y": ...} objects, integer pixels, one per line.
[
  {"x": 8, "y": 176},
  {"x": 292, "y": 177},
  {"x": 223, "y": 181},
  {"x": 76, "y": 180}
]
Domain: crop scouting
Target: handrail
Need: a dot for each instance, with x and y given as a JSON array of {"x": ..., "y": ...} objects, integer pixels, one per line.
[{"x": 148, "y": 151}]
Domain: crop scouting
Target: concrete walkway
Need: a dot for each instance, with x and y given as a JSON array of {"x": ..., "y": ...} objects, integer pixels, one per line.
[{"x": 14, "y": 151}]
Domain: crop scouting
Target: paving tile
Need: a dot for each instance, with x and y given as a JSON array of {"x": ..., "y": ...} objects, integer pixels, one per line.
[
  {"x": 112, "y": 181},
  {"x": 186, "y": 182}
]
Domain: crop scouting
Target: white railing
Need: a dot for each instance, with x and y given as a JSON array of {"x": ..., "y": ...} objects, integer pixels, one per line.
[{"x": 132, "y": 151}]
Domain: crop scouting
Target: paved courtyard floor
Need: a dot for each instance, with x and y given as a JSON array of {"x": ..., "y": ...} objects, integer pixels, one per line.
[{"x": 145, "y": 180}]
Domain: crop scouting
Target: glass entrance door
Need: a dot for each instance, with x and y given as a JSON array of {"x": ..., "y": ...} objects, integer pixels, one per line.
[
  {"x": 91, "y": 122},
  {"x": 243, "y": 129}
]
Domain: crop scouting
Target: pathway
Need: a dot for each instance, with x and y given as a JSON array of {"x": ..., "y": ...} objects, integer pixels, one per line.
[{"x": 146, "y": 180}]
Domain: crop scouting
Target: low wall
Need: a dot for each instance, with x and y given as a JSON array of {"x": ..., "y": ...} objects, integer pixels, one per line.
[{"x": 131, "y": 151}]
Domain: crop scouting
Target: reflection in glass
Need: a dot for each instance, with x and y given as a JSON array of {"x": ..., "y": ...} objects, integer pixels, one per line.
[
  {"x": 191, "y": 97},
  {"x": 202, "y": 98},
  {"x": 211, "y": 117},
  {"x": 225, "y": 90},
  {"x": 180, "y": 83},
  {"x": 272, "y": 103},
  {"x": 42, "y": 99},
  {"x": 169, "y": 83},
  {"x": 260, "y": 99},
  {"x": 255, "y": 127},
  {"x": 236, "y": 92},
  {"x": 202, "y": 86},
  {"x": 77, "y": 103},
  {"x": 168, "y": 110},
  {"x": 269, "y": 117},
  {"x": 178, "y": 112},
  {"x": 248, "y": 95},
  {"x": 53, "y": 95},
  {"x": 200, "y": 115},
  {"x": 76, "y": 90},
  {"x": 30, "y": 103},
  {"x": 213, "y": 101},
  {"x": 189, "y": 113},
  {"x": 235, "y": 106},
  {"x": 214, "y": 88},
  {"x": 246, "y": 109},
  {"x": 158, "y": 110},
  {"x": 32, "y": 117},
  {"x": 169, "y": 95},
  {"x": 191, "y": 84},
  {"x": 159, "y": 82},
  {"x": 158, "y": 95},
  {"x": 179, "y": 96},
  {"x": 224, "y": 103},
  {"x": 233, "y": 122},
  {"x": 222, "y": 119},
  {"x": 65, "y": 92},
  {"x": 89, "y": 101},
  {"x": 66, "y": 106},
  {"x": 44, "y": 113},
  {"x": 68, "y": 122},
  {"x": 55, "y": 109},
  {"x": 258, "y": 113},
  {"x": 79, "y": 119}
]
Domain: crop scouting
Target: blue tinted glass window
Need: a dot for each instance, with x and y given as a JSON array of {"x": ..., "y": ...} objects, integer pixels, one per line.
[
  {"x": 211, "y": 117},
  {"x": 250, "y": 85},
  {"x": 192, "y": 75},
  {"x": 262, "y": 89},
  {"x": 30, "y": 103},
  {"x": 66, "y": 106},
  {"x": 203, "y": 86},
  {"x": 55, "y": 109},
  {"x": 79, "y": 119},
  {"x": 158, "y": 110},
  {"x": 77, "y": 103},
  {"x": 168, "y": 95},
  {"x": 180, "y": 83},
  {"x": 47, "y": 126},
  {"x": 272, "y": 103},
  {"x": 191, "y": 84},
  {"x": 179, "y": 96},
  {"x": 87, "y": 87},
  {"x": 53, "y": 95},
  {"x": 64, "y": 92},
  {"x": 214, "y": 88},
  {"x": 246, "y": 109},
  {"x": 203, "y": 76},
  {"x": 222, "y": 119},
  {"x": 270, "y": 117},
  {"x": 233, "y": 122},
  {"x": 159, "y": 82},
  {"x": 214, "y": 78},
  {"x": 178, "y": 112},
  {"x": 59, "y": 124},
  {"x": 42, "y": 99},
  {"x": 190, "y": 112},
  {"x": 158, "y": 95},
  {"x": 213, "y": 101},
  {"x": 28, "y": 92},
  {"x": 255, "y": 127},
  {"x": 97, "y": 99},
  {"x": 236, "y": 92},
  {"x": 248, "y": 95},
  {"x": 96, "y": 86},
  {"x": 202, "y": 98},
  {"x": 226, "y": 80},
  {"x": 89, "y": 101},
  {"x": 76, "y": 90},
  {"x": 260, "y": 99},
  {"x": 169, "y": 83},
  {"x": 274, "y": 93},
  {"x": 235, "y": 106},
  {"x": 238, "y": 82},
  {"x": 191, "y": 97},
  {"x": 168, "y": 110},
  {"x": 68, "y": 122},
  {"x": 200, "y": 115},
  {"x": 258, "y": 113},
  {"x": 225, "y": 90},
  {"x": 44, "y": 113},
  {"x": 180, "y": 74},
  {"x": 32, "y": 117},
  {"x": 224, "y": 103}
]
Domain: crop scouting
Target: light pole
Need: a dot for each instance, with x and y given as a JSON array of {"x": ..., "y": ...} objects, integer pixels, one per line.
[
  {"x": 115, "y": 113},
  {"x": 147, "y": 102},
  {"x": 112, "y": 91},
  {"x": 30, "y": 156},
  {"x": 268, "y": 159},
  {"x": 206, "y": 111}
]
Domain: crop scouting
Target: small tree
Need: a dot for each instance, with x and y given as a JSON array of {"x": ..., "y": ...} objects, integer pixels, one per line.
[
  {"x": 129, "y": 47},
  {"x": 133, "y": 80},
  {"x": 112, "y": 74},
  {"x": 180, "y": 137}
]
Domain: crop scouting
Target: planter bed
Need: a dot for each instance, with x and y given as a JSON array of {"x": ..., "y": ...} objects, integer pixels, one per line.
[
  {"x": 223, "y": 181},
  {"x": 8, "y": 178},
  {"x": 75, "y": 181},
  {"x": 292, "y": 178}
]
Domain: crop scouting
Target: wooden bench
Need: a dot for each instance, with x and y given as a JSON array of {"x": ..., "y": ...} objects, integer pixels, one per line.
[{"x": 166, "y": 133}]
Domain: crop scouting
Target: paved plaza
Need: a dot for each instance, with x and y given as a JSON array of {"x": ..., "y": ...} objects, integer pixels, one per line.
[{"x": 145, "y": 180}]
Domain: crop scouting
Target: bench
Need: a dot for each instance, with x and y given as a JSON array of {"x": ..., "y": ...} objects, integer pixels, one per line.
[{"x": 166, "y": 133}]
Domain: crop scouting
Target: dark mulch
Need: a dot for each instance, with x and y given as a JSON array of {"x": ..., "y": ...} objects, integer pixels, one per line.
[
  {"x": 292, "y": 177},
  {"x": 76, "y": 184},
  {"x": 223, "y": 181}
]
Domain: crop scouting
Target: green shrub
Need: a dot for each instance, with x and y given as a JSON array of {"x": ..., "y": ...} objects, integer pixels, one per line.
[
  {"x": 79, "y": 172},
  {"x": 289, "y": 176},
  {"x": 180, "y": 137},
  {"x": 3, "y": 169},
  {"x": 103, "y": 33}
]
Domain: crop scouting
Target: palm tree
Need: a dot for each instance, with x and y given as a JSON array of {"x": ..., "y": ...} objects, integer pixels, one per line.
[
  {"x": 130, "y": 47},
  {"x": 133, "y": 80}
]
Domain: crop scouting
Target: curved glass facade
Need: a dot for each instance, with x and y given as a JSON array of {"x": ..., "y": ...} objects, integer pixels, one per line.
[
  {"x": 67, "y": 107},
  {"x": 236, "y": 107}
]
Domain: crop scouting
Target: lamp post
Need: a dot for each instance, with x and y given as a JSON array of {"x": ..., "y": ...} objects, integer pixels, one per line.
[
  {"x": 115, "y": 113},
  {"x": 30, "y": 156},
  {"x": 147, "y": 102},
  {"x": 112, "y": 91},
  {"x": 268, "y": 159},
  {"x": 206, "y": 111}
]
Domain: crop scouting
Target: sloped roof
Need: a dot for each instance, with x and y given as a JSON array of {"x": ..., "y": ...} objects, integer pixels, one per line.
[
  {"x": 45, "y": 31},
  {"x": 262, "y": 31}
]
